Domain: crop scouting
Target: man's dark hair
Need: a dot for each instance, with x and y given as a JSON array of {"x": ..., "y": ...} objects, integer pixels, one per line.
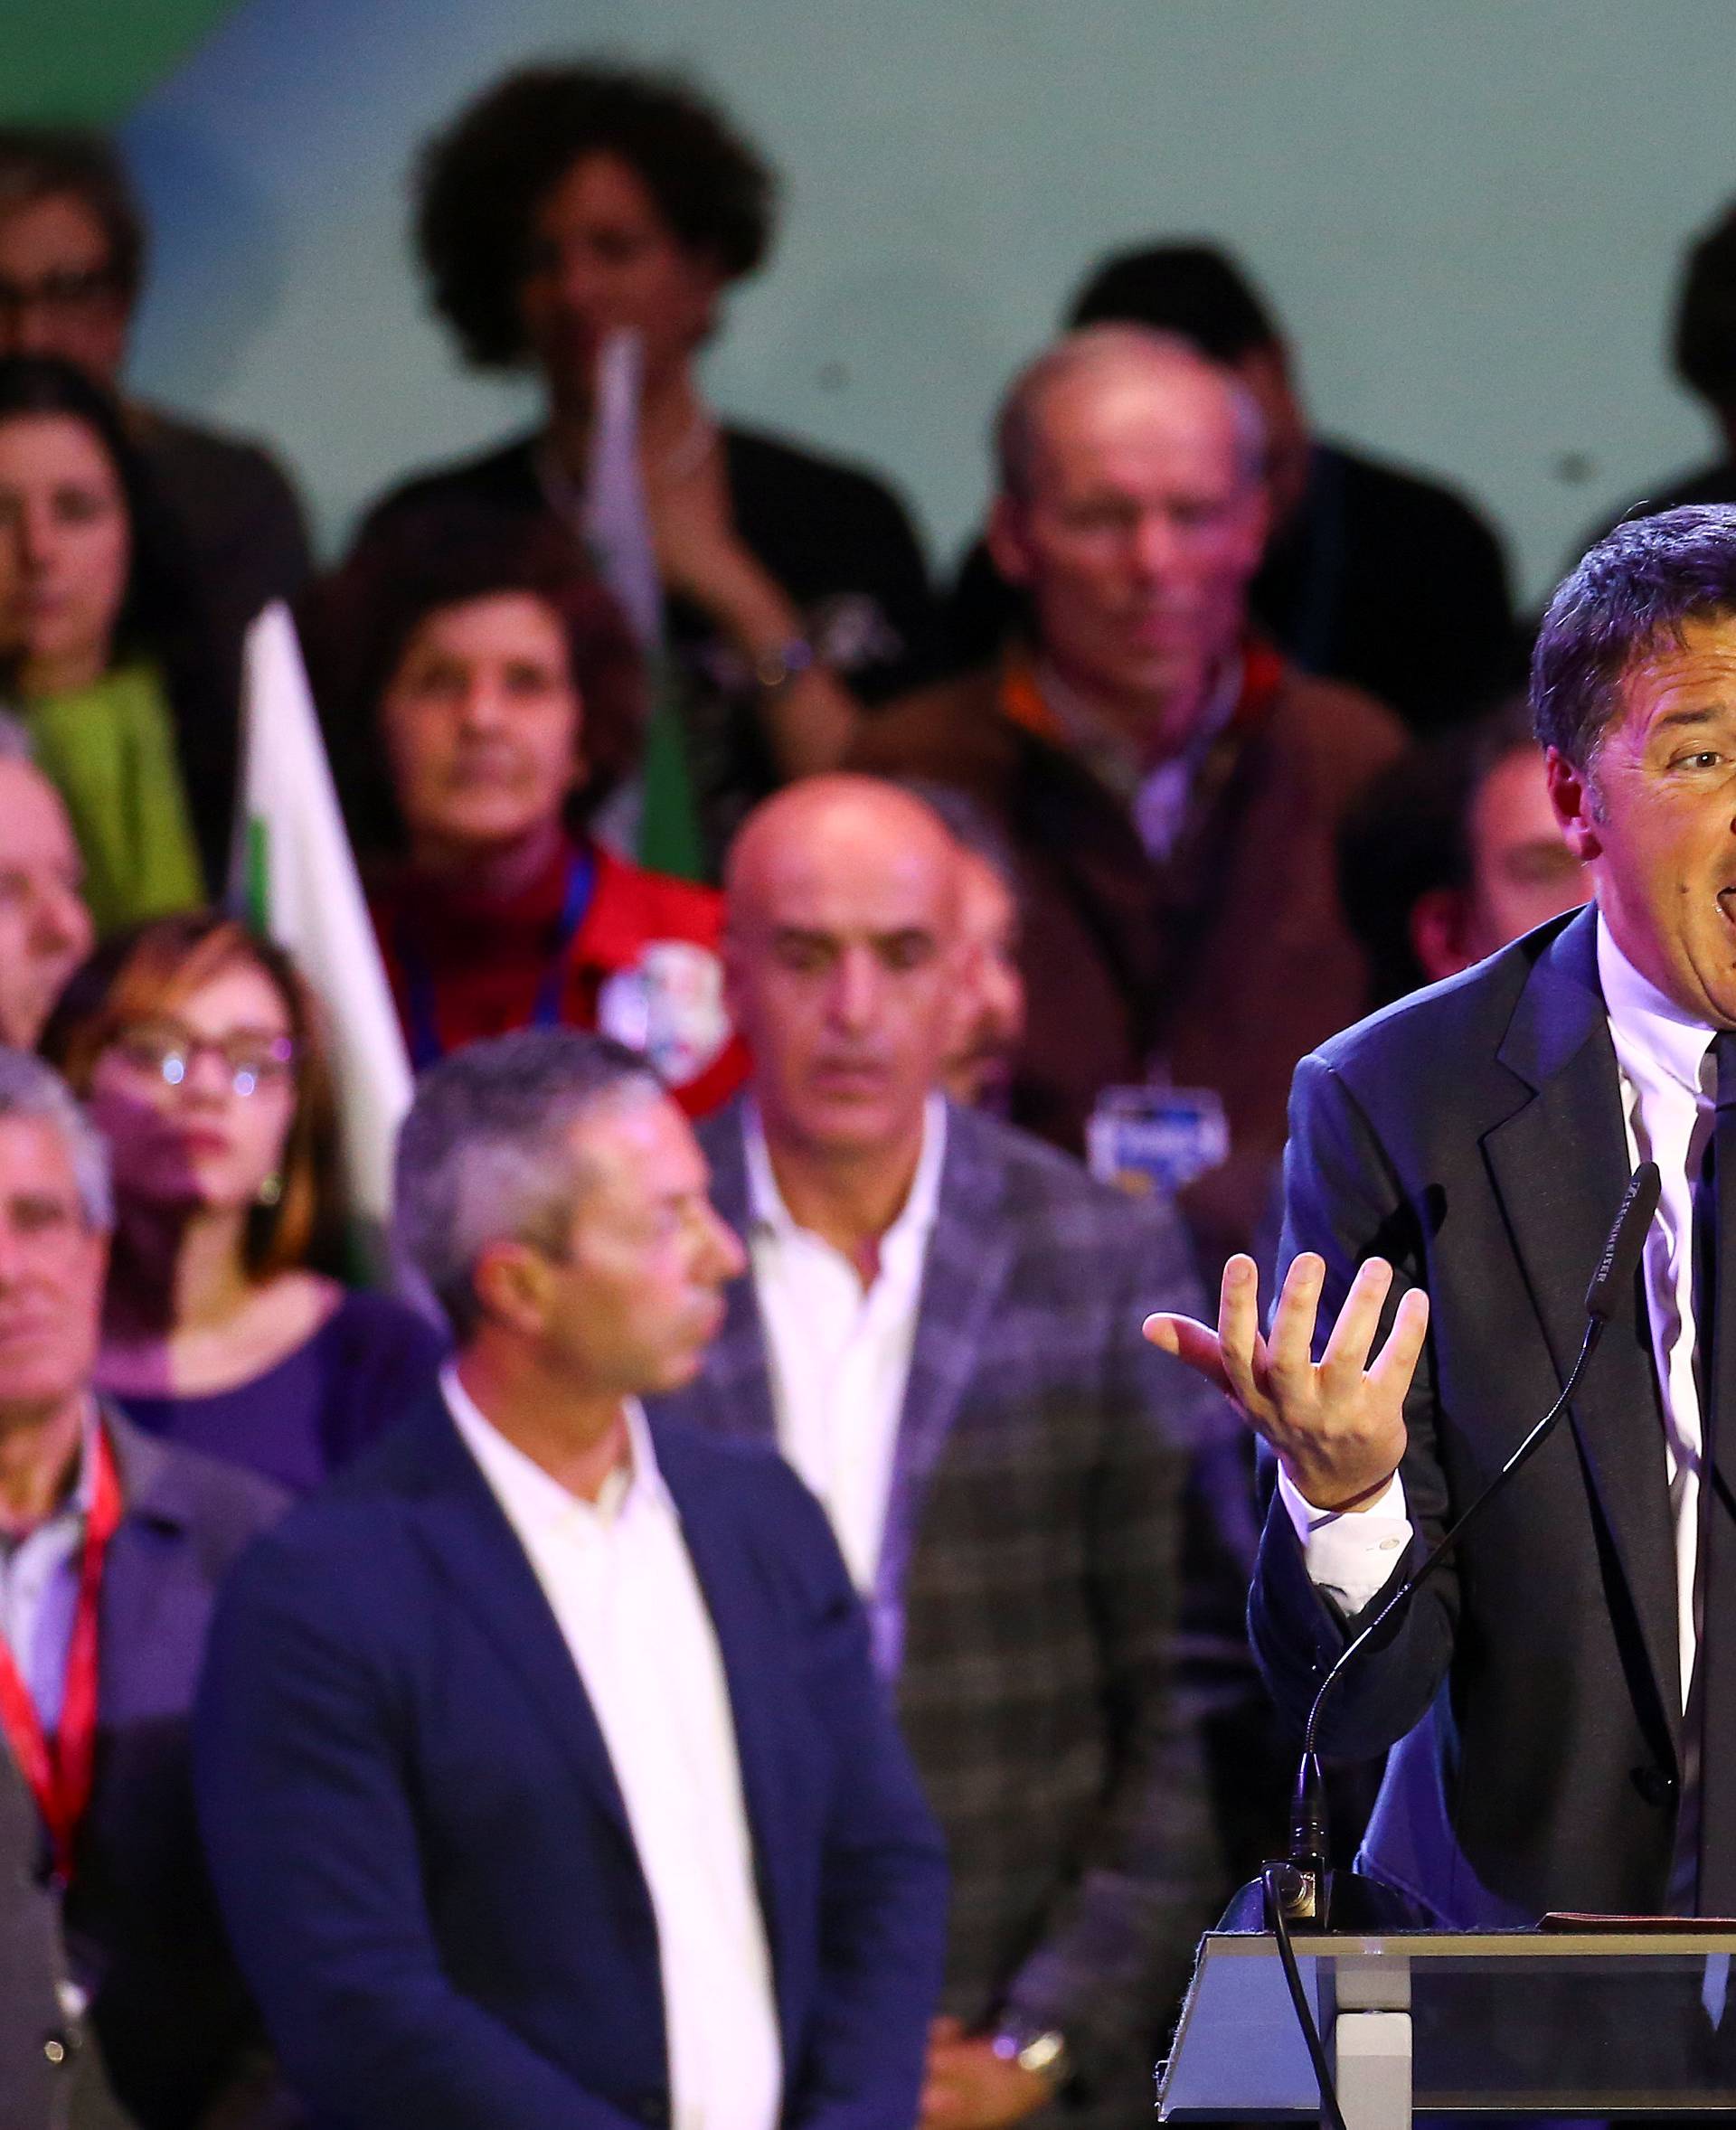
[
  {"x": 1193, "y": 289},
  {"x": 1705, "y": 315},
  {"x": 479, "y": 183},
  {"x": 1408, "y": 834},
  {"x": 49, "y": 161},
  {"x": 1630, "y": 597}
]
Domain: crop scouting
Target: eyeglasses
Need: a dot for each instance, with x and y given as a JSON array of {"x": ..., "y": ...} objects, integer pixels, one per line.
[
  {"x": 65, "y": 293},
  {"x": 170, "y": 1050}
]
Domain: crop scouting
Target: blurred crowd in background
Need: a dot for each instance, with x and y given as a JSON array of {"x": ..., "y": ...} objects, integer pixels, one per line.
[{"x": 920, "y": 890}]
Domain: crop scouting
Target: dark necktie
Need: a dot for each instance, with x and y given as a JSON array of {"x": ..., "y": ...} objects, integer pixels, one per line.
[{"x": 1715, "y": 1659}]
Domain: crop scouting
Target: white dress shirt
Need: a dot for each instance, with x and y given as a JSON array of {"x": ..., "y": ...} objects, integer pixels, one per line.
[
  {"x": 1663, "y": 1058},
  {"x": 840, "y": 1357},
  {"x": 618, "y": 1580}
]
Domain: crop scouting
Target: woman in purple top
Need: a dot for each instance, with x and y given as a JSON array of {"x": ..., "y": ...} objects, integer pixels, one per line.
[{"x": 196, "y": 1047}]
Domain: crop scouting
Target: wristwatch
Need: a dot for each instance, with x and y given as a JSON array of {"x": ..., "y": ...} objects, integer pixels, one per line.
[{"x": 1042, "y": 2051}]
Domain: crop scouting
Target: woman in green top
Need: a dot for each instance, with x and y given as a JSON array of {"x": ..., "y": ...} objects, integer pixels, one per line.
[{"x": 102, "y": 651}]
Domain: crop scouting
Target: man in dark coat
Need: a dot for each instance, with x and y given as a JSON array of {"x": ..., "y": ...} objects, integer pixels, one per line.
[
  {"x": 1562, "y": 1693},
  {"x": 1170, "y": 785},
  {"x": 940, "y": 1333},
  {"x": 111, "y": 1545},
  {"x": 545, "y": 1777}
]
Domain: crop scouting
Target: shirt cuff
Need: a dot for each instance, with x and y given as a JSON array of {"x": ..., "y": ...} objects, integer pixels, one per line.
[{"x": 1349, "y": 1554}]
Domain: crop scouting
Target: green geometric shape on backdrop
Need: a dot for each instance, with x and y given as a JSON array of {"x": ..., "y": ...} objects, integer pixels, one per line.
[{"x": 87, "y": 63}]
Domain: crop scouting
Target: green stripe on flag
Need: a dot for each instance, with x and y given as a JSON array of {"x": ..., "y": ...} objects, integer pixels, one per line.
[
  {"x": 259, "y": 877},
  {"x": 670, "y": 838}
]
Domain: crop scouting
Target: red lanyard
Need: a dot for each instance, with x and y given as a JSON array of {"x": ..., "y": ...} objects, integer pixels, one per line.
[{"x": 59, "y": 1770}]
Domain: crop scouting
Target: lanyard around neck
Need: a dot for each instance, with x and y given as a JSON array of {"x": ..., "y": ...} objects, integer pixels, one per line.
[
  {"x": 60, "y": 1770},
  {"x": 422, "y": 1003}
]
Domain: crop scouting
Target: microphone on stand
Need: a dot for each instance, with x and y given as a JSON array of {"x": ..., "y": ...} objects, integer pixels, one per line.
[{"x": 1300, "y": 1883}]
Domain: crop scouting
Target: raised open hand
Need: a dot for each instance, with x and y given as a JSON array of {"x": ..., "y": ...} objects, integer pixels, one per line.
[{"x": 1337, "y": 1424}]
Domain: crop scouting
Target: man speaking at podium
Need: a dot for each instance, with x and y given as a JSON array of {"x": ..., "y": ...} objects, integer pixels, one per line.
[{"x": 1562, "y": 1692}]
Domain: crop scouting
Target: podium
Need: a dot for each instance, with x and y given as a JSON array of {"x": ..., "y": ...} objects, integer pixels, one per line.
[{"x": 1528, "y": 2022}]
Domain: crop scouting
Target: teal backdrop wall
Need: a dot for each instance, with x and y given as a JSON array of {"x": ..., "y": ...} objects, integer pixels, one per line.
[{"x": 1469, "y": 211}]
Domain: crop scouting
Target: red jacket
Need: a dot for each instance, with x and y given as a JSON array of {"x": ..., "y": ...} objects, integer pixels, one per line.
[{"x": 641, "y": 964}]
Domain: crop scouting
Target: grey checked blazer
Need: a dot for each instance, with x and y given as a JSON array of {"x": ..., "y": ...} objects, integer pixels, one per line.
[{"x": 1030, "y": 1565}]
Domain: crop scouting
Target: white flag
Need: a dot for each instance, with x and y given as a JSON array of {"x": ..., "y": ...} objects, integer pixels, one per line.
[
  {"x": 618, "y": 523},
  {"x": 297, "y": 875}
]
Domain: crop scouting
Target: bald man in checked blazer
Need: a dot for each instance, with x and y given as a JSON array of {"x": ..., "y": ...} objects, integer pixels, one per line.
[{"x": 941, "y": 1329}]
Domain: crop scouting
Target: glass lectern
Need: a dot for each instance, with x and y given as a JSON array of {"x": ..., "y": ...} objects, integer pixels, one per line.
[{"x": 1549, "y": 2022}]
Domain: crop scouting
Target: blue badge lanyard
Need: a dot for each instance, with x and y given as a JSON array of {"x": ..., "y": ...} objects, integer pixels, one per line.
[{"x": 426, "y": 1048}]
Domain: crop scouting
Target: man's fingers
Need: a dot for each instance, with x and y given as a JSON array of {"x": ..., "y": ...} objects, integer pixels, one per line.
[
  {"x": 1197, "y": 1343},
  {"x": 1242, "y": 1350},
  {"x": 1353, "y": 1336},
  {"x": 1396, "y": 1363},
  {"x": 1289, "y": 1344}
]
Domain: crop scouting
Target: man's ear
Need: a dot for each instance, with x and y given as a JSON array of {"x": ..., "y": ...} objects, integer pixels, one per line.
[
  {"x": 512, "y": 1284},
  {"x": 1008, "y": 543},
  {"x": 1574, "y": 800}
]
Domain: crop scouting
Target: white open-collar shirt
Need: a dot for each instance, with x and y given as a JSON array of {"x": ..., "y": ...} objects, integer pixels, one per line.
[
  {"x": 840, "y": 1353},
  {"x": 622, "y": 1588}
]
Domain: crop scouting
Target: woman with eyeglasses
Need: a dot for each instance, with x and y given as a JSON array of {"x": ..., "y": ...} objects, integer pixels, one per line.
[{"x": 196, "y": 1047}]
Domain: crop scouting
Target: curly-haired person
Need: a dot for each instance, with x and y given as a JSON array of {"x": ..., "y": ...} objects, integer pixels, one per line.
[{"x": 570, "y": 201}]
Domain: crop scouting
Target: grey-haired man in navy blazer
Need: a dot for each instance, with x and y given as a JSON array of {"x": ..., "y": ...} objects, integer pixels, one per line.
[
  {"x": 544, "y": 1776},
  {"x": 111, "y": 1545}
]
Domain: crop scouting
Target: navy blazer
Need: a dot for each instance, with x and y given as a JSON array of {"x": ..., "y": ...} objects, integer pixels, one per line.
[
  {"x": 420, "y": 1849},
  {"x": 1473, "y": 1137}
]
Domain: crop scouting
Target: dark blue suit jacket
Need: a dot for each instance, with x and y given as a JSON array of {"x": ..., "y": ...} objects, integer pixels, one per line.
[
  {"x": 420, "y": 1849},
  {"x": 1473, "y": 1137},
  {"x": 177, "y": 2032}
]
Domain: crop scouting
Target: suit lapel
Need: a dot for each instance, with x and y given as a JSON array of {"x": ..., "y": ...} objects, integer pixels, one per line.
[
  {"x": 964, "y": 1267},
  {"x": 734, "y": 1388},
  {"x": 476, "y": 1549},
  {"x": 968, "y": 1253},
  {"x": 133, "y": 1585},
  {"x": 1560, "y": 1164}
]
